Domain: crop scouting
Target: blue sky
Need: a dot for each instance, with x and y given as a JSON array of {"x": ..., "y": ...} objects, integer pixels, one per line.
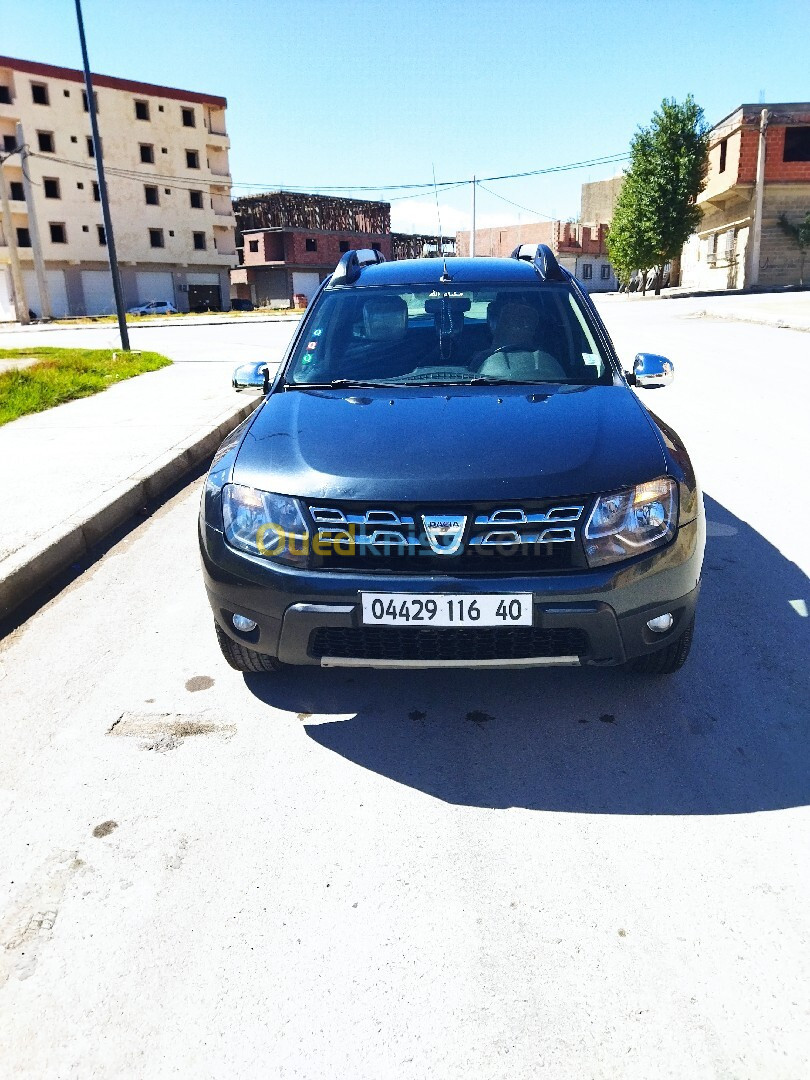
[{"x": 366, "y": 92}]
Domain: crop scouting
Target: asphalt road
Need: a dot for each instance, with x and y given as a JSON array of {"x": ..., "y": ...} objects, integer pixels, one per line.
[{"x": 571, "y": 873}]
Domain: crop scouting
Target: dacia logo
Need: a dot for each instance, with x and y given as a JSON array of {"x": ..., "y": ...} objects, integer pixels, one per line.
[{"x": 445, "y": 534}]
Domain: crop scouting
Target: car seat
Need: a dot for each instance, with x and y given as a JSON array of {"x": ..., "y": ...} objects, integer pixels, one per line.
[{"x": 515, "y": 347}]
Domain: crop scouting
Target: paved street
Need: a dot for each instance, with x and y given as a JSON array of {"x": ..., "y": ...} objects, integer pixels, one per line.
[{"x": 571, "y": 873}]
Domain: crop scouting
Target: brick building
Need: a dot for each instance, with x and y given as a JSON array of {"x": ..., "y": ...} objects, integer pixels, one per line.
[
  {"x": 720, "y": 254},
  {"x": 579, "y": 248},
  {"x": 288, "y": 242}
]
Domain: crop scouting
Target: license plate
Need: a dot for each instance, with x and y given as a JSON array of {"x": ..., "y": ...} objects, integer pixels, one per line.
[{"x": 447, "y": 609}]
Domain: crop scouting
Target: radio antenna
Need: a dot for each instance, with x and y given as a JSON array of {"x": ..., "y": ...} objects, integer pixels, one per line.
[{"x": 445, "y": 275}]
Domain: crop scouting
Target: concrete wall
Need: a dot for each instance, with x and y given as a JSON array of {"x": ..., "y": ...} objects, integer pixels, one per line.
[
  {"x": 598, "y": 199},
  {"x": 122, "y": 134}
]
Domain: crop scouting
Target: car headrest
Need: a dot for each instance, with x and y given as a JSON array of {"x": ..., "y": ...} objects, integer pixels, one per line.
[
  {"x": 516, "y": 326},
  {"x": 385, "y": 318}
]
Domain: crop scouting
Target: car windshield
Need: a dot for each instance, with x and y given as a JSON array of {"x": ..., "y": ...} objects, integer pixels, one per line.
[{"x": 437, "y": 335}]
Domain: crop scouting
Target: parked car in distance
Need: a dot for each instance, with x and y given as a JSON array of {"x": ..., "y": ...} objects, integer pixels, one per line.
[
  {"x": 451, "y": 469},
  {"x": 154, "y": 307},
  {"x": 242, "y": 305}
]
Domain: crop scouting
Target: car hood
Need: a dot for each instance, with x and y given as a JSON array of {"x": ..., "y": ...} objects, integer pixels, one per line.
[{"x": 450, "y": 444}]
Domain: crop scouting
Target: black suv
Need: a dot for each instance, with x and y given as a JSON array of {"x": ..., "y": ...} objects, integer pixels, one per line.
[{"x": 450, "y": 470}]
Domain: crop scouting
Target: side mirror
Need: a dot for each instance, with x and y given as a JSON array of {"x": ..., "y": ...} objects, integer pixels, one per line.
[
  {"x": 651, "y": 371},
  {"x": 251, "y": 376}
]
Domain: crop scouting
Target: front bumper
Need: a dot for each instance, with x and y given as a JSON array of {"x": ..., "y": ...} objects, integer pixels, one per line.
[{"x": 611, "y": 605}]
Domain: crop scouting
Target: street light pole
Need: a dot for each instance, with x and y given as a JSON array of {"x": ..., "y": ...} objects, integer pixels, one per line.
[
  {"x": 20, "y": 304},
  {"x": 102, "y": 187},
  {"x": 472, "y": 230}
]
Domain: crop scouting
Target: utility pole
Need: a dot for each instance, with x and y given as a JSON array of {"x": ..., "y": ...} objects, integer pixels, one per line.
[
  {"x": 472, "y": 231},
  {"x": 102, "y": 187},
  {"x": 756, "y": 230},
  {"x": 33, "y": 229},
  {"x": 20, "y": 305}
]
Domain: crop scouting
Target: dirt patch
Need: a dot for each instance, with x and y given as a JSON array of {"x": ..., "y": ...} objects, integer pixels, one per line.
[
  {"x": 166, "y": 731},
  {"x": 105, "y": 828},
  {"x": 199, "y": 682}
]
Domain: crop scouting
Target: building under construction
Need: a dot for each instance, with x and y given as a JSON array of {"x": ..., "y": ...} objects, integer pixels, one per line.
[{"x": 288, "y": 242}]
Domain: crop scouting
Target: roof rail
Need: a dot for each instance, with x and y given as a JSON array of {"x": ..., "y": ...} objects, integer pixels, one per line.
[
  {"x": 542, "y": 258},
  {"x": 350, "y": 265}
]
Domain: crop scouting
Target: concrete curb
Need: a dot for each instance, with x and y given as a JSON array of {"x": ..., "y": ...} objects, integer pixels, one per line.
[
  {"x": 33, "y": 566},
  {"x": 16, "y": 328}
]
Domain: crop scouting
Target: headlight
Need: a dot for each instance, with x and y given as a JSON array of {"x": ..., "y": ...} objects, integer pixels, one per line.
[
  {"x": 632, "y": 522},
  {"x": 263, "y": 524}
]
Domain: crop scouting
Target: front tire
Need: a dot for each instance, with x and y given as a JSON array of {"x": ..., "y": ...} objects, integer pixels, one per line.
[
  {"x": 241, "y": 658},
  {"x": 665, "y": 661}
]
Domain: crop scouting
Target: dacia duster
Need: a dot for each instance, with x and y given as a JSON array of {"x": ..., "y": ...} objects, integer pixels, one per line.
[{"x": 450, "y": 469}]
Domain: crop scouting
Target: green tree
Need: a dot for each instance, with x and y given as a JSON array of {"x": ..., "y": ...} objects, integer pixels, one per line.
[
  {"x": 657, "y": 207},
  {"x": 800, "y": 234}
]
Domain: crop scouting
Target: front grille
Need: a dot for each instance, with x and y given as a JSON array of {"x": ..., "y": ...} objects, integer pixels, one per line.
[
  {"x": 480, "y": 643},
  {"x": 539, "y": 536}
]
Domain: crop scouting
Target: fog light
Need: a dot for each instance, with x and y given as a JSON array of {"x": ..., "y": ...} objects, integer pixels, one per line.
[
  {"x": 659, "y": 625},
  {"x": 244, "y": 624}
]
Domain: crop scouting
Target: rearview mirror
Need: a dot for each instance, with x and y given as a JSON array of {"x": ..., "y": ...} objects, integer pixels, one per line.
[
  {"x": 651, "y": 371},
  {"x": 251, "y": 376}
]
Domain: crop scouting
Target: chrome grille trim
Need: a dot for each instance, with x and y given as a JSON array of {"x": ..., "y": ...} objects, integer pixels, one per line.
[{"x": 556, "y": 513}]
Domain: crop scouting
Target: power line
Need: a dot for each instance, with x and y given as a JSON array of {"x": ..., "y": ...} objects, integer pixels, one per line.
[{"x": 520, "y": 206}]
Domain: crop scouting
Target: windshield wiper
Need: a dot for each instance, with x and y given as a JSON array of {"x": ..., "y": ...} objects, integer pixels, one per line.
[{"x": 335, "y": 384}]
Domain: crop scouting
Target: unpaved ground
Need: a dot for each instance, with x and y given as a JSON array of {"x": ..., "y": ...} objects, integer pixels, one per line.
[{"x": 322, "y": 874}]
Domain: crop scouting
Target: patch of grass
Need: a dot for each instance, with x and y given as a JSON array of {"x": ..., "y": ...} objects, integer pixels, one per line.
[{"x": 61, "y": 375}]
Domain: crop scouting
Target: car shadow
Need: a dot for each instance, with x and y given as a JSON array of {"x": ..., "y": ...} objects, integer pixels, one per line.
[{"x": 727, "y": 734}]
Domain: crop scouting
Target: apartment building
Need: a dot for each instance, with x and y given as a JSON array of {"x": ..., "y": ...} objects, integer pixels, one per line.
[
  {"x": 722, "y": 253},
  {"x": 166, "y": 160},
  {"x": 582, "y": 249}
]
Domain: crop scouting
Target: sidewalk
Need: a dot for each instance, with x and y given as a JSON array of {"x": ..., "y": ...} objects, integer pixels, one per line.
[
  {"x": 75, "y": 472},
  {"x": 785, "y": 310}
]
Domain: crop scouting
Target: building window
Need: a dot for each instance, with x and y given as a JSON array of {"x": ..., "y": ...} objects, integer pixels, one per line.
[
  {"x": 80, "y": 185},
  {"x": 17, "y": 192},
  {"x": 85, "y": 228},
  {"x": 23, "y": 237},
  {"x": 96, "y": 192},
  {"x": 199, "y": 241},
  {"x": 188, "y": 118},
  {"x": 587, "y": 271},
  {"x": 84, "y": 100},
  {"x": 797, "y": 144},
  {"x": 195, "y": 198},
  {"x": 156, "y": 238},
  {"x": 723, "y": 151},
  {"x": 9, "y": 143},
  {"x": 58, "y": 234},
  {"x": 253, "y": 245},
  {"x": 51, "y": 187},
  {"x": 45, "y": 141},
  {"x": 167, "y": 191},
  {"x": 74, "y": 138},
  {"x": 344, "y": 245},
  {"x": 147, "y": 154},
  {"x": 5, "y": 95},
  {"x": 39, "y": 94},
  {"x": 310, "y": 244},
  {"x": 91, "y": 150},
  {"x": 151, "y": 194},
  {"x": 66, "y": 93},
  {"x": 604, "y": 271},
  {"x": 141, "y": 110},
  {"x": 192, "y": 159},
  {"x": 102, "y": 236}
]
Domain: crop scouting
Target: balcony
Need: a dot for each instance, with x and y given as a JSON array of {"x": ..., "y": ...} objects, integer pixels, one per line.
[{"x": 218, "y": 140}]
